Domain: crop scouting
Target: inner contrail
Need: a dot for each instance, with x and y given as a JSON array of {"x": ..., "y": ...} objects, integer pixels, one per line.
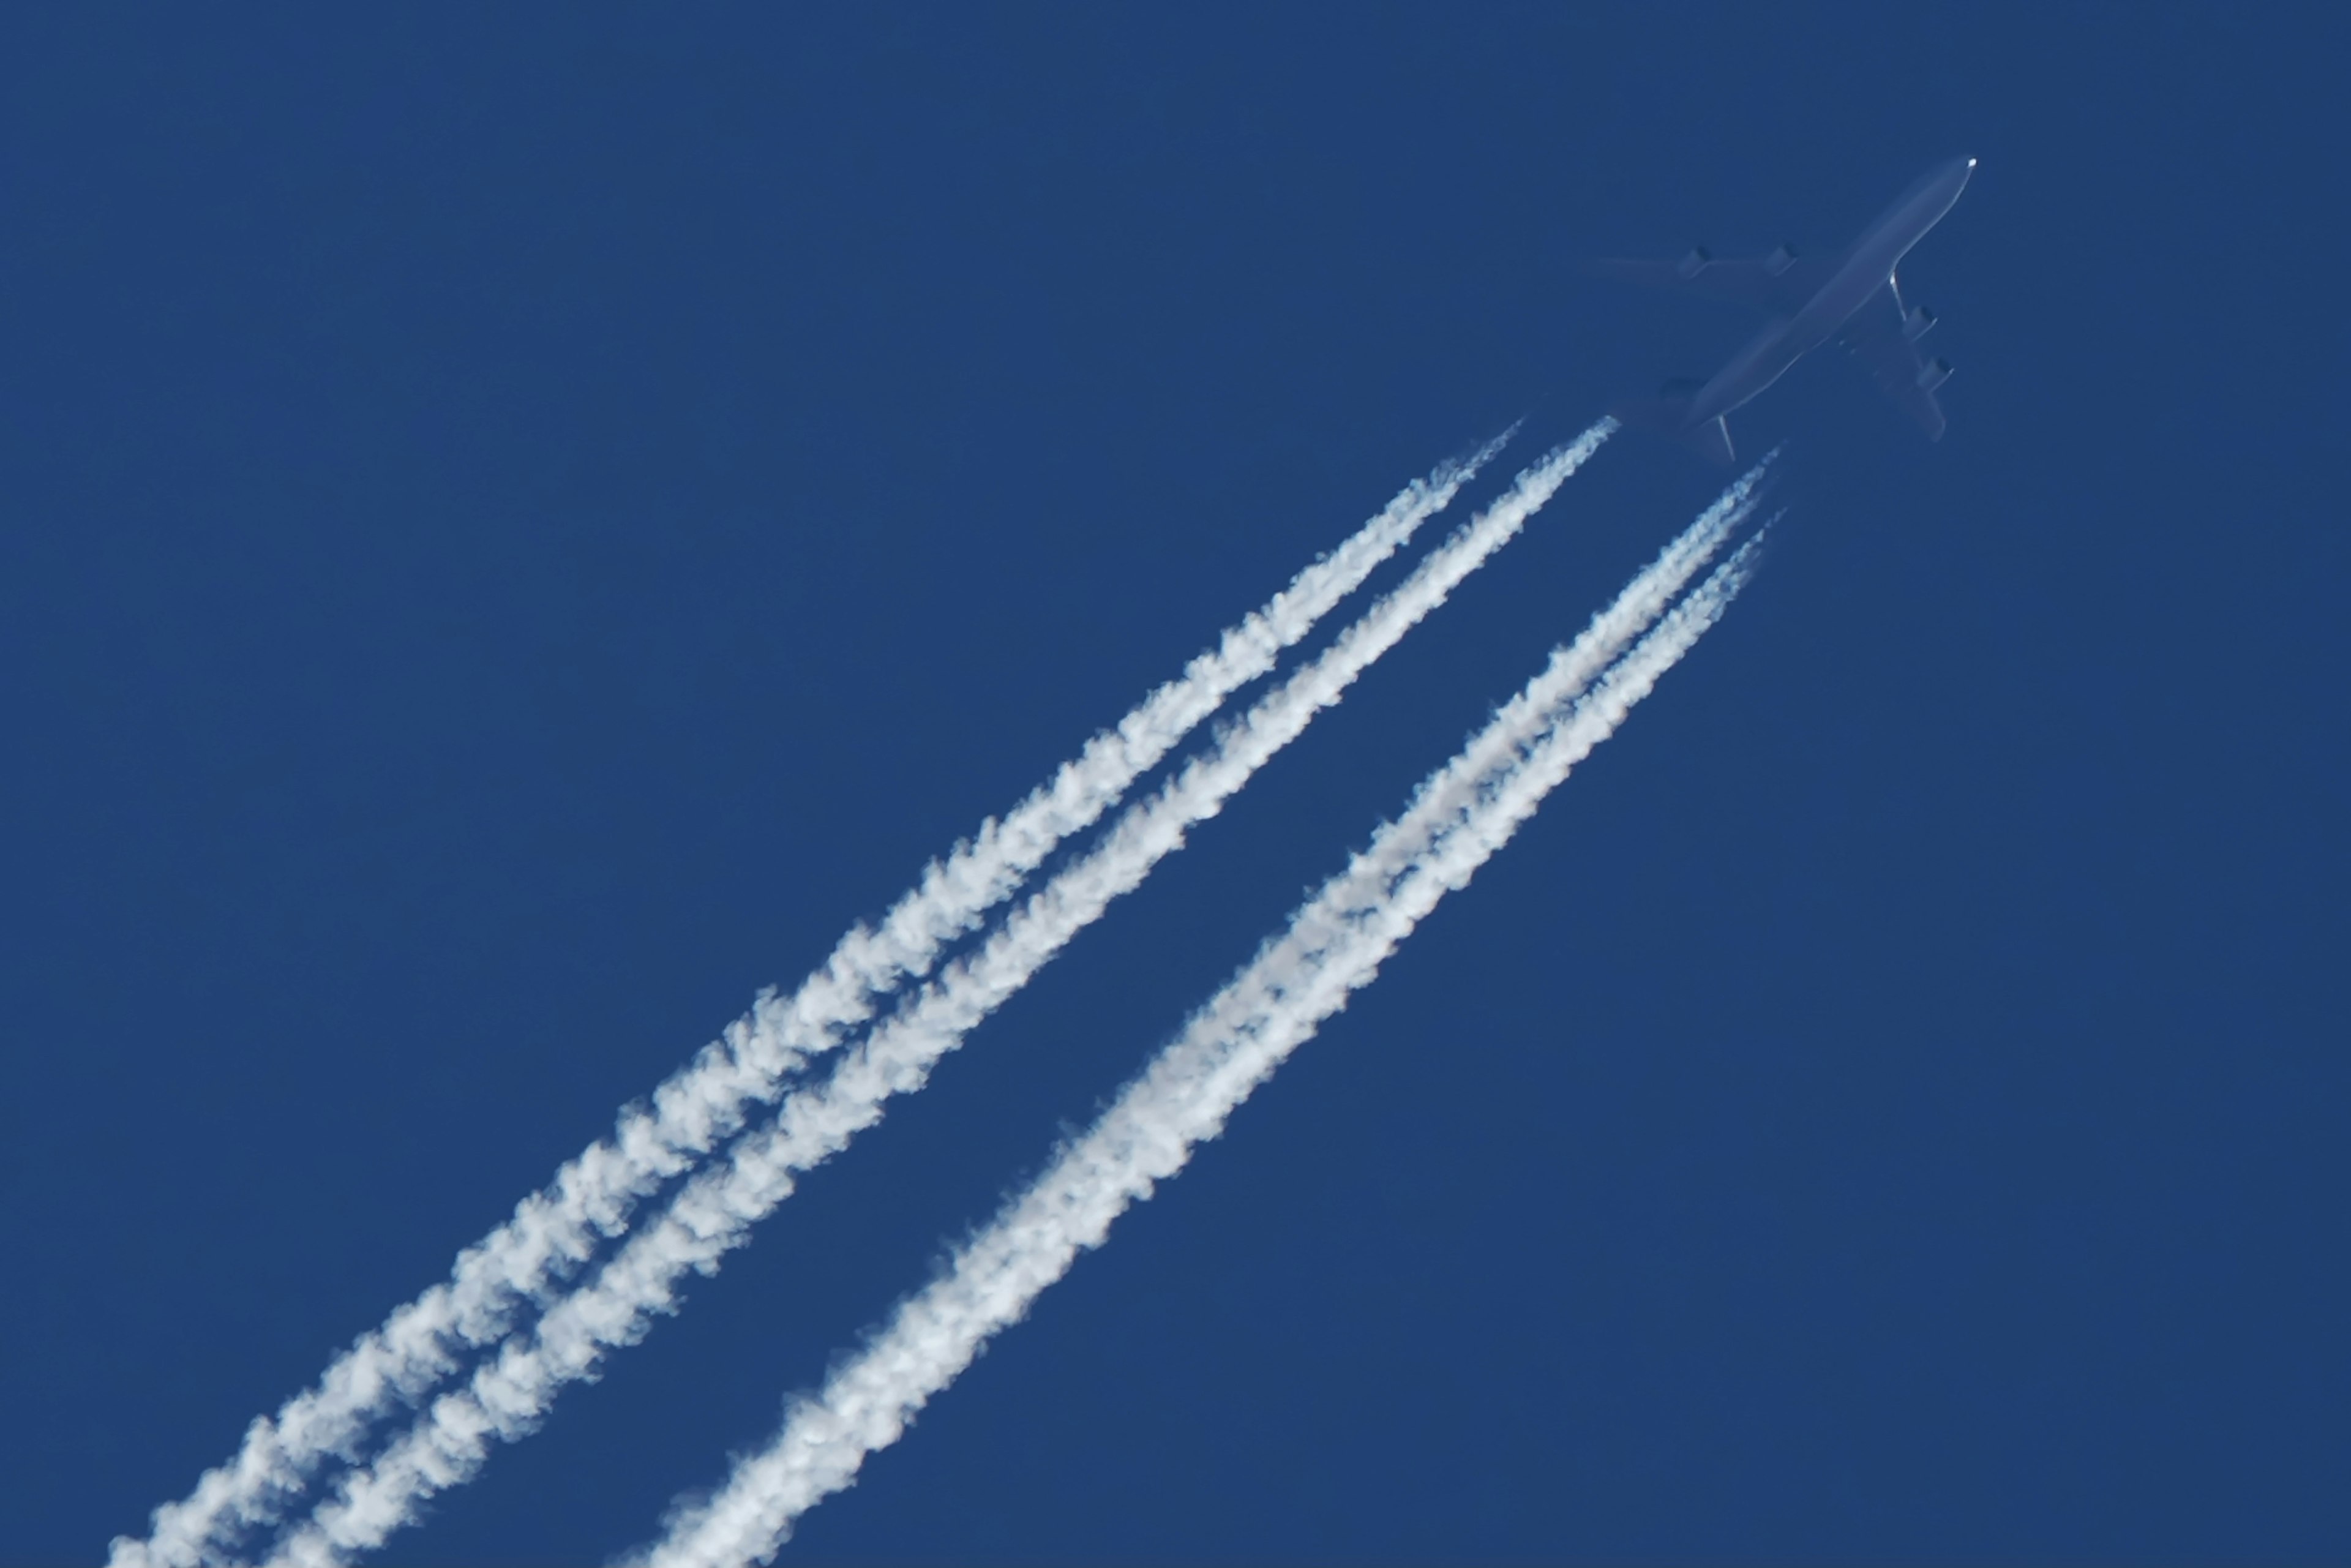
[
  {"x": 716, "y": 1209},
  {"x": 1334, "y": 945},
  {"x": 556, "y": 1231}
]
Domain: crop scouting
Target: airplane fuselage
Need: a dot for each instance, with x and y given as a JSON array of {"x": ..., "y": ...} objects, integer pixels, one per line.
[{"x": 1866, "y": 265}]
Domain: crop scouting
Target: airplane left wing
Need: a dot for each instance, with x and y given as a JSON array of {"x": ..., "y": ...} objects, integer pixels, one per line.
[
  {"x": 1885, "y": 338},
  {"x": 1777, "y": 285}
]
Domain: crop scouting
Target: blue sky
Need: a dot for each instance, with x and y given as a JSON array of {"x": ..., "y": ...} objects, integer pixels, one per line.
[{"x": 517, "y": 530}]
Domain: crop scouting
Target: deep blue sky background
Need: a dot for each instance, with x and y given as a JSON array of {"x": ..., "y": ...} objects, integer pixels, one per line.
[{"x": 513, "y": 532}]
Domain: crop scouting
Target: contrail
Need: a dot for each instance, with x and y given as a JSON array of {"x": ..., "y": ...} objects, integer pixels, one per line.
[
  {"x": 557, "y": 1229},
  {"x": 715, "y": 1211},
  {"x": 1334, "y": 945}
]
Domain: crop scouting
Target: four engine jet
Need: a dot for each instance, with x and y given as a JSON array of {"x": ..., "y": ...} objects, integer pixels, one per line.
[{"x": 1852, "y": 297}]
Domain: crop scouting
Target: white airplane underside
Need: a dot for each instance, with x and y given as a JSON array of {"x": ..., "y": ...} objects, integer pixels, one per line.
[{"x": 1854, "y": 299}]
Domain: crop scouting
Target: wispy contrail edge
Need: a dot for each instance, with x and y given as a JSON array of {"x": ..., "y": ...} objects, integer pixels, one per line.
[
  {"x": 591, "y": 1199},
  {"x": 1334, "y": 945},
  {"x": 715, "y": 1211}
]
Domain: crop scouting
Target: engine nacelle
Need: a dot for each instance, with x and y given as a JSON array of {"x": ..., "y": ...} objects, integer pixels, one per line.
[
  {"x": 1934, "y": 374},
  {"x": 1694, "y": 263},
  {"x": 1780, "y": 260},
  {"x": 1915, "y": 324}
]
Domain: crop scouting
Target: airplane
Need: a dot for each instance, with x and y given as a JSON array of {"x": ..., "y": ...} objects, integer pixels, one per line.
[{"x": 1853, "y": 297}]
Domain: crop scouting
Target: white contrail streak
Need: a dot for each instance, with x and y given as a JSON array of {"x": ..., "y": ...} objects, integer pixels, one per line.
[
  {"x": 1334, "y": 945},
  {"x": 557, "y": 1229},
  {"x": 716, "y": 1209}
]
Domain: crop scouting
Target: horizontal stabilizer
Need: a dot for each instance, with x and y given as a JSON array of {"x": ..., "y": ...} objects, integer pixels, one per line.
[
  {"x": 1712, "y": 440},
  {"x": 1669, "y": 415}
]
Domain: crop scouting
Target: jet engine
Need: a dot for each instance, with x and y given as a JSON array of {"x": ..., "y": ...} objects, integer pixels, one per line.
[
  {"x": 1694, "y": 263},
  {"x": 1916, "y": 322},
  {"x": 1780, "y": 260},
  {"x": 1934, "y": 374}
]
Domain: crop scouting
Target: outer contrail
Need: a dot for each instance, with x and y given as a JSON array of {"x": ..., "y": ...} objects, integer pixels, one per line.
[
  {"x": 715, "y": 1211},
  {"x": 557, "y": 1229},
  {"x": 1334, "y": 945}
]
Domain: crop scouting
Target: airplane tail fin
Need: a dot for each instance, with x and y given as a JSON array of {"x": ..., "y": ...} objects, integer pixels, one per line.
[{"x": 1669, "y": 414}]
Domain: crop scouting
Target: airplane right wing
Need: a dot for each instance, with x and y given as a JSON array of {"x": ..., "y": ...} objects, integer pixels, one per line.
[
  {"x": 1777, "y": 285},
  {"x": 1885, "y": 338}
]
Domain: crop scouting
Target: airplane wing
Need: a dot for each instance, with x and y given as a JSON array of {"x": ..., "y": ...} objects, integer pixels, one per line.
[
  {"x": 1778, "y": 284},
  {"x": 1885, "y": 337}
]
